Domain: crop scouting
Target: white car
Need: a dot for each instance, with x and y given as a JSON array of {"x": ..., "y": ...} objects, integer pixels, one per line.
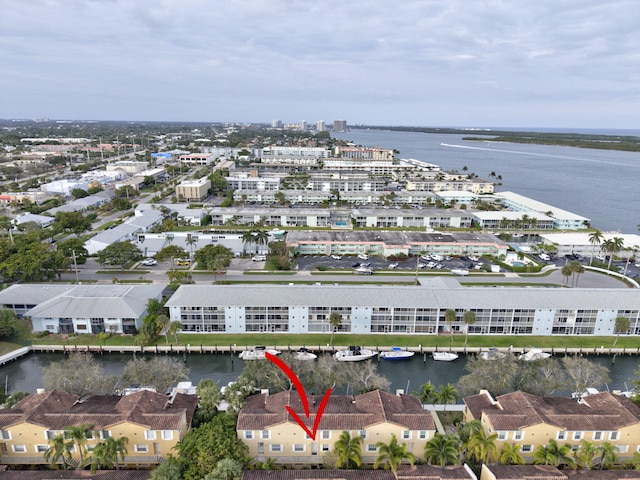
[
  {"x": 336, "y": 257},
  {"x": 425, "y": 257},
  {"x": 258, "y": 258},
  {"x": 363, "y": 256},
  {"x": 149, "y": 262},
  {"x": 393, "y": 265}
]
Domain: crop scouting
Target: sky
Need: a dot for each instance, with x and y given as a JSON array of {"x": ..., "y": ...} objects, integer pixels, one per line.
[{"x": 460, "y": 63}]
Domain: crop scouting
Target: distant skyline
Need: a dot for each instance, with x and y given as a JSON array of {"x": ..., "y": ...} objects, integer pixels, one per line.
[{"x": 493, "y": 63}]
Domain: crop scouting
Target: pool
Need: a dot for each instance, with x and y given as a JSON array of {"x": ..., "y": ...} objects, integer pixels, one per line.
[{"x": 518, "y": 264}]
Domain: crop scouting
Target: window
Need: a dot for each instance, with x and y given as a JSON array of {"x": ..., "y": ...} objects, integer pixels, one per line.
[
  {"x": 265, "y": 434},
  {"x": 502, "y": 435},
  {"x": 371, "y": 447},
  {"x": 90, "y": 435},
  {"x": 562, "y": 435},
  {"x": 363, "y": 434},
  {"x": 406, "y": 434},
  {"x": 19, "y": 448},
  {"x": 50, "y": 434},
  {"x": 577, "y": 435},
  {"x": 141, "y": 448},
  {"x": 5, "y": 435},
  {"x": 518, "y": 435},
  {"x": 324, "y": 447},
  {"x": 167, "y": 434},
  {"x": 42, "y": 448},
  {"x": 248, "y": 434},
  {"x": 622, "y": 448},
  {"x": 526, "y": 448},
  {"x": 598, "y": 436},
  {"x": 150, "y": 435},
  {"x": 105, "y": 434},
  {"x": 614, "y": 435},
  {"x": 298, "y": 447},
  {"x": 326, "y": 434},
  {"x": 422, "y": 434},
  {"x": 276, "y": 448}
]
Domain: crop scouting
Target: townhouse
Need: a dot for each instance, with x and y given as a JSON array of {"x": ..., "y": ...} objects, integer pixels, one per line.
[
  {"x": 152, "y": 422},
  {"x": 269, "y": 431},
  {"x": 531, "y": 421}
]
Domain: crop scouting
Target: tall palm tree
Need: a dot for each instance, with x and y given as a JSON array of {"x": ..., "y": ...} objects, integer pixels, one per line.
[
  {"x": 450, "y": 317},
  {"x": 392, "y": 454},
  {"x": 622, "y": 326},
  {"x": 191, "y": 241},
  {"x": 612, "y": 247},
  {"x": 59, "y": 448},
  {"x": 469, "y": 318},
  {"x": 335, "y": 319},
  {"x": 566, "y": 273},
  {"x": 442, "y": 450},
  {"x": 585, "y": 454},
  {"x": 608, "y": 455},
  {"x": 510, "y": 455},
  {"x": 79, "y": 434},
  {"x": 247, "y": 238},
  {"x": 595, "y": 238},
  {"x": 447, "y": 394},
  {"x": 348, "y": 451},
  {"x": 426, "y": 393},
  {"x": 116, "y": 449},
  {"x": 553, "y": 454},
  {"x": 482, "y": 447},
  {"x": 261, "y": 237}
]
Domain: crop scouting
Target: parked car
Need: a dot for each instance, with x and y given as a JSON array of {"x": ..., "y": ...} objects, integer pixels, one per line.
[
  {"x": 365, "y": 264},
  {"x": 183, "y": 262},
  {"x": 393, "y": 265},
  {"x": 336, "y": 257},
  {"x": 355, "y": 265},
  {"x": 258, "y": 258},
  {"x": 149, "y": 262},
  {"x": 363, "y": 256}
]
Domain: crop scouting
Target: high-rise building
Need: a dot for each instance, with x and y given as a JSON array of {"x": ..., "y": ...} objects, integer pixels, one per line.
[
  {"x": 339, "y": 125},
  {"x": 320, "y": 127},
  {"x": 276, "y": 123},
  {"x": 303, "y": 125}
]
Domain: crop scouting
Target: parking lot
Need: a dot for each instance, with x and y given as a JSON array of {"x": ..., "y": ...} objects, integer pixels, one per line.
[{"x": 348, "y": 262}]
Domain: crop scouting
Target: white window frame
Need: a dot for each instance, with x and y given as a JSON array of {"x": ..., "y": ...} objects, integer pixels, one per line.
[
  {"x": 406, "y": 435},
  {"x": 5, "y": 435},
  {"x": 150, "y": 435},
  {"x": 167, "y": 434},
  {"x": 50, "y": 434},
  {"x": 502, "y": 435},
  {"x": 104, "y": 434},
  {"x": 526, "y": 448},
  {"x": 423, "y": 435},
  {"x": 19, "y": 448},
  {"x": 248, "y": 434},
  {"x": 372, "y": 447},
  {"x": 265, "y": 434},
  {"x": 363, "y": 434},
  {"x": 614, "y": 435},
  {"x": 518, "y": 435},
  {"x": 325, "y": 447},
  {"x": 622, "y": 448},
  {"x": 41, "y": 448},
  {"x": 275, "y": 448},
  {"x": 599, "y": 435},
  {"x": 141, "y": 448},
  {"x": 578, "y": 435},
  {"x": 561, "y": 435},
  {"x": 299, "y": 447},
  {"x": 326, "y": 435}
]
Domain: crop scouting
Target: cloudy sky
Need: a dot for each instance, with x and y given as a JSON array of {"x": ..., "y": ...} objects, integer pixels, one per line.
[{"x": 485, "y": 63}]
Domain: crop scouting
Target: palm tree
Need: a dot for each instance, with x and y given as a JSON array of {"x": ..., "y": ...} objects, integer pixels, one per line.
[
  {"x": 116, "y": 449},
  {"x": 450, "y": 317},
  {"x": 608, "y": 455},
  {"x": 348, "y": 451},
  {"x": 173, "y": 329},
  {"x": 622, "y": 326},
  {"x": 612, "y": 247},
  {"x": 482, "y": 447},
  {"x": 426, "y": 393},
  {"x": 261, "y": 237},
  {"x": 510, "y": 455},
  {"x": 59, "y": 448},
  {"x": 392, "y": 454},
  {"x": 247, "y": 237},
  {"x": 335, "y": 319},
  {"x": 191, "y": 241},
  {"x": 553, "y": 454},
  {"x": 442, "y": 450},
  {"x": 595, "y": 238},
  {"x": 446, "y": 394},
  {"x": 576, "y": 269},
  {"x": 585, "y": 454},
  {"x": 469, "y": 318},
  {"x": 78, "y": 435},
  {"x": 566, "y": 273}
]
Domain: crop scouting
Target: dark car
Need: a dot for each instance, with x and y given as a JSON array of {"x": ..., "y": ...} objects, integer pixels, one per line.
[{"x": 355, "y": 265}]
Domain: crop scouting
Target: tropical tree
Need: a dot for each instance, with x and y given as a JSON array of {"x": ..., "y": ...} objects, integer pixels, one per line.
[
  {"x": 482, "y": 447},
  {"x": 442, "y": 450},
  {"x": 622, "y": 326},
  {"x": 59, "y": 448},
  {"x": 612, "y": 246},
  {"x": 595, "y": 238},
  {"x": 553, "y": 454},
  {"x": 247, "y": 238},
  {"x": 427, "y": 392},
  {"x": 450, "y": 317},
  {"x": 348, "y": 451},
  {"x": 391, "y": 454},
  {"x": 608, "y": 455},
  {"x": 191, "y": 241},
  {"x": 119, "y": 253},
  {"x": 171, "y": 252},
  {"x": 566, "y": 273},
  {"x": 510, "y": 455},
  {"x": 79, "y": 435},
  {"x": 115, "y": 449},
  {"x": 576, "y": 270},
  {"x": 585, "y": 454},
  {"x": 447, "y": 394},
  {"x": 469, "y": 318},
  {"x": 261, "y": 237},
  {"x": 335, "y": 319},
  {"x": 226, "y": 469},
  {"x": 173, "y": 329}
]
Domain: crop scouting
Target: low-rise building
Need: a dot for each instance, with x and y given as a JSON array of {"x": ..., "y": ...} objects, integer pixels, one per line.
[
  {"x": 267, "y": 428},
  {"x": 193, "y": 190},
  {"x": 530, "y": 421},
  {"x": 152, "y": 423}
]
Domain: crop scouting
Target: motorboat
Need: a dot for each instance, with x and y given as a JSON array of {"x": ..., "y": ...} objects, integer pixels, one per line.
[
  {"x": 257, "y": 353},
  {"x": 355, "y": 354},
  {"x": 533, "y": 355},
  {"x": 304, "y": 354},
  {"x": 444, "y": 356},
  {"x": 396, "y": 353},
  {"x": 492, "y": 354}
]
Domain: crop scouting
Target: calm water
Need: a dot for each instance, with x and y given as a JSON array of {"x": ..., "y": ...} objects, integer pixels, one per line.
[
  {"x": 597, "y": 184},
  {"x": 26, "y": 374}
]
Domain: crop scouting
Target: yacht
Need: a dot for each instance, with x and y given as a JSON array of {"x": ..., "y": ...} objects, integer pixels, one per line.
[
  {"x": 444, "y": 356},
  {"x": 355, "y": 354},
  {"x": 257, "y": 353},
  {"x": 396, "y": 353},
  {"x": 533, "y": 355}
]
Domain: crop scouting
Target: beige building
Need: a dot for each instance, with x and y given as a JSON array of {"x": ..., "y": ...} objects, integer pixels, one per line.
[
  {"x": 193, "y": 190},
  {"x": 152, "y": 422},
  {"x": 270, "y": 432},
  {"x": 529, "y": 420}
]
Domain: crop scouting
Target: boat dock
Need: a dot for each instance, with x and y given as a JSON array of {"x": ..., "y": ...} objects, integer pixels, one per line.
[{"x": 14, "y": 355}]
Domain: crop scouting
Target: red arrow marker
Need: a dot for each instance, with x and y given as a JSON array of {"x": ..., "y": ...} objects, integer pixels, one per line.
[{"x": 303, "y": 397}]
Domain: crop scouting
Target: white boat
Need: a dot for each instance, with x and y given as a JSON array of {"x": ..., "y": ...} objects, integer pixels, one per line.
[
  {"x": 258, "y": 353},
  {"x": 304, "y": 354},
  {"x": 460, "y": 271},
  {"x": 533, "y": 355},
  {"x": 492, "y": 354},
  {"x": 396, "y": 353},
  {"x": 355, "y": 354},
  {"x": 444, "y": 356}
]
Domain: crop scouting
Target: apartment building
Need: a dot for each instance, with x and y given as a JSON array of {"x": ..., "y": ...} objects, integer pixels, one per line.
[
  {"x": 193, "y": 190},
  {"x": 530, "y": 421},
  {"x": 269, "y": 431},
  {"x": 152, "y": 422}
]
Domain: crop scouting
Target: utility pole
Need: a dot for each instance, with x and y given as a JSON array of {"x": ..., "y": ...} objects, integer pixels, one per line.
[{"x": 75, "y": 265}]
